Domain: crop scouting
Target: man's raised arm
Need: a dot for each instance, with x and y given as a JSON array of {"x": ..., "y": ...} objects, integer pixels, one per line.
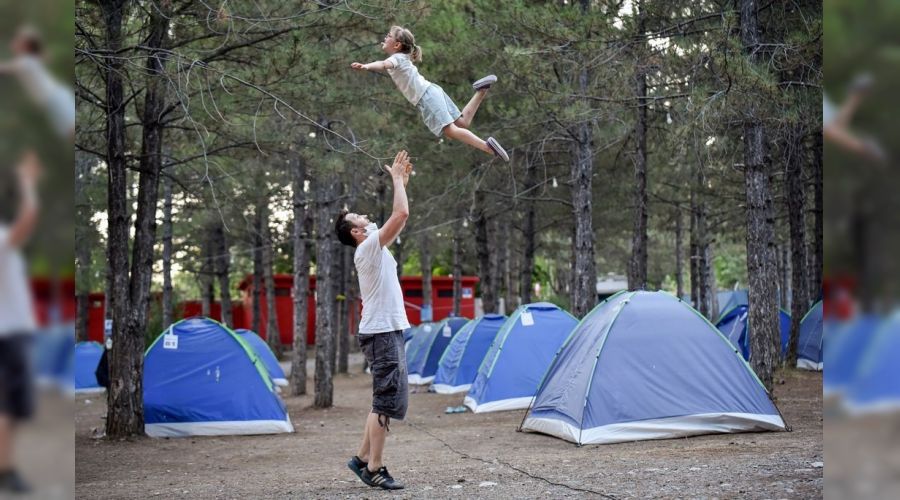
[{"x": 399, "y": 171}]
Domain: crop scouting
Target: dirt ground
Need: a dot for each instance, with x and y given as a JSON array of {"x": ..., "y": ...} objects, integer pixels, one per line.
[
  {"x": 863, "y": 455},
  {"x": 454, "y": 456}
]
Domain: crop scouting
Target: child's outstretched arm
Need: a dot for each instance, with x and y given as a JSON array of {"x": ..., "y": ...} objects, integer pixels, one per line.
[{"x": 377, "y": 66}]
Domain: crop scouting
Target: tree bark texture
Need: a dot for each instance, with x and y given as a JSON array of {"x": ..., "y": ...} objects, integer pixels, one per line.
[
  {"x": 303, "y": 242},
  {"x": 168, "y": 301},
  {"x": 125, "y": 413},
  {"x": 258, "y": 273},
  {"x": 815, "y": 288},
  {"x": 763, "y": 317},
  {"x": 82, "y": 249},
  {"x": 223, "y": 272},
  {"x": 425, "y": 261},
  {"x": 584, "y": 283},
  {"x": 637, "y": 269},
  {"x": 273, "y": 336},
  {"x": 529, "y": 236},
  {"x": 457, "y": 271},
  {"x": 207, "y": 284},
  {"x": 325, "y": 335},
  {"x": 482, "y": 251},
  {"x": 679, "y": 254}
]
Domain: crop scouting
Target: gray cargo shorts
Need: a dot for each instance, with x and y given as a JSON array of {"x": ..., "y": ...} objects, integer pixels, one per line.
[{"x": 387, "y": 357}]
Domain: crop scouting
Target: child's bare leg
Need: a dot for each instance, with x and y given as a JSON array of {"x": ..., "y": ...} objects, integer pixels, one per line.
[
  {"x": 848, "y": 109},
  {"x": 462, "y": 135},
  {"x": 850, "y": 142},
  {"x": 468, "y": 112}
]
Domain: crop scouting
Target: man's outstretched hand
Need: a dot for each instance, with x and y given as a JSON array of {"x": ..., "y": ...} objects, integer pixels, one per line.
[{"x": 401, "y": 168}]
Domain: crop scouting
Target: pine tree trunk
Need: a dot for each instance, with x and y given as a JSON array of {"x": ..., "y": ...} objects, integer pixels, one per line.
[
  {"x": 700, "y": 281},
  {"x": 168, "y": 302},
  {"x": 457, "y": 272},
  {"x": 82, "y": 249},
  {"x": 501, "y": 263},
  {"x": 125, "y": 413},
  {"x": 400, "y": 255},
  {"x": 584, "y": 289},
  {"x": 496, "y": 260},
  {"x": 526, "y": 271},
  {"x": 712, "y": 286},
  {"x": 223, "y": 272},
  {"x": 256, "y": 299},
  {"x": 815, "y": 289},
  {"x": 679, "y": 254},
  {"x": 273, "y": 335},
  {"x": 763, "y": 318},
  {"x": 795, "y": 195},
  {"x": 637, "y": 269},
  {"x": 694, "y": 253},
  {"x": 337, "y": 285},
  {"x": 207, "y": 285},
  {"x": 425, "y": 261},
  {"x": 302, "y": 253},
  {"x": 325, "y": 334},
  {"x": 488, "y": 292},
  {"x": 349, "y": 298}
]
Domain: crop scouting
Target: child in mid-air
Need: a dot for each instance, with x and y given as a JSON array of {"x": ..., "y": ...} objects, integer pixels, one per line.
[
  {"x": 836, "y": 122},
  {"x": 57, "y": 99},
  {"x": 438, "y": 111}
]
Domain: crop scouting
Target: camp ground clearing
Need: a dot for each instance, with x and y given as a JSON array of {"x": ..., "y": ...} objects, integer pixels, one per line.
[{"x": 434, "y": 451}]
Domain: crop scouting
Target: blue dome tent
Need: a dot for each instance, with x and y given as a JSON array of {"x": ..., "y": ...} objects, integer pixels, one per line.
[
  {"x": 427, "y": 347},
  {"x": 202, "y": 379},
  {"x": 458, "y": 366},
  {"x": 261, "y": 348},
  {"x": 511, "y": 371},
  {"x": 844, "y": 353},
  {"x": 734, "y": 323},
  {"x": 645, "y": 365},
  {"x": 87, "y": 357},
  {"x": 809, "y": 347},
  {"x": 874, "y": 388}
]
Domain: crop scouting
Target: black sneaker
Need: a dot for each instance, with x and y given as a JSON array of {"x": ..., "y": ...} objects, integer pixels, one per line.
[
  {"x": 380, "y": 479},
  {"x": 357, "y": 466},
  {"x": 12, "y": 482}
]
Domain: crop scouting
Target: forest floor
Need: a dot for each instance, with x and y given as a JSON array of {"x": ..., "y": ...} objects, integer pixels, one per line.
[{"x": 464, "y": 455}]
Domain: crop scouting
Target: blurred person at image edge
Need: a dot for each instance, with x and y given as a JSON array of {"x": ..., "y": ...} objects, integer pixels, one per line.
[{"x": 17, "y": 321}]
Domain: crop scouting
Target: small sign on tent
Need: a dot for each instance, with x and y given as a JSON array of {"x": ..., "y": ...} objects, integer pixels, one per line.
[
  {"x": 527, "y": 319},
  {"x": 447, "y": 331},
  {"x": 170, "y": 341}
]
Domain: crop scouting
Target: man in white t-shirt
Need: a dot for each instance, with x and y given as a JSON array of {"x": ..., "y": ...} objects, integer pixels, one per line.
[
  {"x": 382, "y": 324},
  {"x": 16, "y": 322}
]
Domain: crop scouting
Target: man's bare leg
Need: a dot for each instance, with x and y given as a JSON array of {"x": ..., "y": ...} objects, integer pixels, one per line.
[
  {"x": 377, "y": 436},
  {"x": 6, "y": 443},
  {"x": 363, "y": 452}
]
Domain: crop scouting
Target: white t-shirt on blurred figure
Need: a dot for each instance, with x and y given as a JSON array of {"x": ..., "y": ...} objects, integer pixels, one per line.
[{"x": 16, "y": 310}]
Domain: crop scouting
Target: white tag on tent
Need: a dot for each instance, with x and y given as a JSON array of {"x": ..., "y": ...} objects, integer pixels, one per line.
[
  {"x": 527, "y": 318},
  {"x": 170, "y": 341},
  {"x": 428, "y": 328},
  {"x": 447, "y": 332}
]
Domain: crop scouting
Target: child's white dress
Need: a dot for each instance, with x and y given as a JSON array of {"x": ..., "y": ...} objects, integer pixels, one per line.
[
  {"x": 57, "y": 99},
  {"x": 435, "y": 106}
]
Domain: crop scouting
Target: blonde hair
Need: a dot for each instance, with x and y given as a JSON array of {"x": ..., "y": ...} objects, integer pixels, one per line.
[{"x": 407, "y": 43}]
